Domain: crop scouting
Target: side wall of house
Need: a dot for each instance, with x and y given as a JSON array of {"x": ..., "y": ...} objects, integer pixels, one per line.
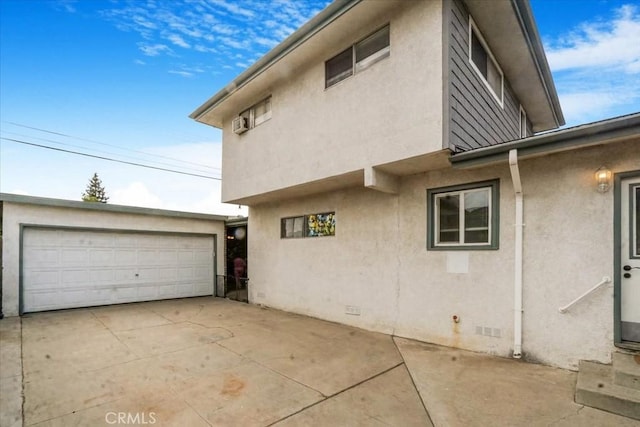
[
  {"x": 476, "y": 117},
  {"x": 16, "y": 214},
  {"x": 391, "y": 110},
  {"x": 377, "y": 264}
]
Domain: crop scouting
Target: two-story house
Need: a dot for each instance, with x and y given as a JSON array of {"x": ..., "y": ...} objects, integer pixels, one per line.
[{"x": 386, "y": 151}]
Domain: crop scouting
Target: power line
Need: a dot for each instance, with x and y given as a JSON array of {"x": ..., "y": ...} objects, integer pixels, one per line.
[
  {"x": 108, "y": 145},
  {"x": 101, "y": 151},
  {"x": 109, "y": 159}
]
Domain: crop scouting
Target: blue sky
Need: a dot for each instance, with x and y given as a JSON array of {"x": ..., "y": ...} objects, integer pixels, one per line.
[{"x": 118, "y": 79}]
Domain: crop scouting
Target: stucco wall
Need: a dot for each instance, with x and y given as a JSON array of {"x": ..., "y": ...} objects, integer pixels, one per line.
[
  {"x": 15, "y": 214},
  {"x": 378, "y": 261},
  {"x": 316, "y": 133}
]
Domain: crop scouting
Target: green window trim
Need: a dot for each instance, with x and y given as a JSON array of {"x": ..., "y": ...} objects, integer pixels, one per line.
[{"x": 447, "y": 205}]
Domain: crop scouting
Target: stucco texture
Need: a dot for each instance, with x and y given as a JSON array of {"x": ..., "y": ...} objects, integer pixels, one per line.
[
  {"x": 378, "y": 261},
  {"x": 316, "y": 133}
]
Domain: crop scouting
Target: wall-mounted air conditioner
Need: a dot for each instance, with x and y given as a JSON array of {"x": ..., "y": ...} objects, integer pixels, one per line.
[{"x": 240, "y": 125}]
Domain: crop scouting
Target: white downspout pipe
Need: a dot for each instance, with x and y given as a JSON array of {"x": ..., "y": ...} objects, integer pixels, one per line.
[{"x": 517, "y": 287}]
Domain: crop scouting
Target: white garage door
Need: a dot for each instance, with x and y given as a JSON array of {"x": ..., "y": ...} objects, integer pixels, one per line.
[{"x": 65, "y": 268}]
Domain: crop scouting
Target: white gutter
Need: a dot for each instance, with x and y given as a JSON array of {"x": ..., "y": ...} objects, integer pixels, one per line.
[{"x": 517, "y": 286}]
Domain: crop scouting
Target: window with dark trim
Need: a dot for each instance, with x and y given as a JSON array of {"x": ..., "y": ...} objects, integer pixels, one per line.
[
  {"x": 484, "y": 63},
  {"x": 463, "y": 217},
  {"x": 311, "y": 225},
  {"x": 356, "y": 58}
]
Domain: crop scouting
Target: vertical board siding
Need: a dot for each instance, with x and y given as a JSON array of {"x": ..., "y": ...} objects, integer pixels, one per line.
[{"x": 476, "y": 118}]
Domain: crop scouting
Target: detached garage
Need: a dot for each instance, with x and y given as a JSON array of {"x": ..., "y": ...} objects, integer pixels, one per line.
[{"x": 64, "y": 254}]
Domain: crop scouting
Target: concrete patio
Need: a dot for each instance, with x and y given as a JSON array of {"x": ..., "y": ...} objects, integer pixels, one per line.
[{"x": 214, "y": 362}]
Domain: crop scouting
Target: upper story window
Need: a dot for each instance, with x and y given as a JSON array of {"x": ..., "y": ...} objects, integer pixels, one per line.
[
  {"x": 253, "y": 116},
  {"x": 523, "y": 123},
  {"x": 484, "y": 63},
  {"x": 356, "y": 58}
]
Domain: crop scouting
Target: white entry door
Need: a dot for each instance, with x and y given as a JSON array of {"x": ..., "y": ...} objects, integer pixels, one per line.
[
  {"x": 630, "y": 260},
  {"x": 65, "y": 268}
]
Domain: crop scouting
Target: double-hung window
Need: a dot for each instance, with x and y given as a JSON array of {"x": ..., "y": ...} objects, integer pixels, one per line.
[
  {"x": 463, "y": 217},
  {"x": 356, "y": 58},
  {"x": 483, "y": 62}
]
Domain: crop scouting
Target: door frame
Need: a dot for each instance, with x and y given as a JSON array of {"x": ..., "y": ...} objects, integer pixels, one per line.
[{"x": 617, "y": 260}]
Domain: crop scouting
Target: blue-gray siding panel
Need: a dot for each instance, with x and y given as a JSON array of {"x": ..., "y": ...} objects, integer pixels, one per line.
[{"x": 476, "y": 118}]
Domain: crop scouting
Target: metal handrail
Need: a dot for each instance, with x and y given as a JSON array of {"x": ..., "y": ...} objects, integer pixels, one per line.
[{"x": 605, "y": 280}]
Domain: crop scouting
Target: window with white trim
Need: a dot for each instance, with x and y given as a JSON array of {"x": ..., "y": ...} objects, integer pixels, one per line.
[
  {"x": 523, "y": 123},
  {"x": 463, "y": 216},
  {"x": 257, "y": 114},
  {"x": 484, "y": 63},
  {"x": 358, "y": 57}
]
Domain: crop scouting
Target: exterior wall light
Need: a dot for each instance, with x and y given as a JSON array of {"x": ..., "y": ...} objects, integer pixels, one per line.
[{"x": 603, "y": 179}]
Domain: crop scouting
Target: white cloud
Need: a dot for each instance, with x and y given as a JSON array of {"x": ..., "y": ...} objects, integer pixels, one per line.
[
  {"x": 215, "y": 28},
  {"x": 234, "y": 8},
  {"x": 596, "y": 67},
  {"x": 614, "y": 44},
  {"x": 181, "y": 73},
  {"x": 178, "y": 41},
  {"x": 586, "y": 106},
  {"x": 153, "y": 50},
  {"x": 135, "y": 194}
]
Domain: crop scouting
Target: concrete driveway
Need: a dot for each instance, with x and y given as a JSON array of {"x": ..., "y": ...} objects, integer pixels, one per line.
[{"x": 214, "y": 362}]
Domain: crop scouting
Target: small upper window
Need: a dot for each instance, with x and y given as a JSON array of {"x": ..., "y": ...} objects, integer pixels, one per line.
[
  {"x": 523, "y": 123},
  {"x": 257, "y": 114},
  {"x": 339, "y": 67},
  {"x": 372, "y": 49},
  {"x": 356, "y": 58},
  {"x": 484, "y": 63},
  {"x": 463, "y": 217}
]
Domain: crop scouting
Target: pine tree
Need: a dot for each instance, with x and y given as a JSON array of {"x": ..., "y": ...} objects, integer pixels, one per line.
[{"x": 95, "y": 191}]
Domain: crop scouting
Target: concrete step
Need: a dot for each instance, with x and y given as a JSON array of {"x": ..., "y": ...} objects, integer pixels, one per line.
[
  {"x": 626, "y": 369},
  {"x": 596, "y": 388}
]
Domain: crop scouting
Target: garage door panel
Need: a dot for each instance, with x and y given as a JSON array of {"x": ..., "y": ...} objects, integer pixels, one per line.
[
  {"x": 168, "y": 274},
  {"x": 73, "y": 277},
  {"x": 104, "y": 276},
  {"x": 44, "y": 256},
  {"x": 201, "y": 287},
  {"x": 77, "y": 268},
  {"x": 185, "y": 273},
  {"x": 47, "y": 238},
  {"x": 125, "y": 257},
  {"x": 74, "y": 257},
  {"x": 165, "y": 290},
  {"x": 185, "y": 257},
  {"x": 202, "y": 274},
  {"x": 202, "y": 256},
  {"x": 43, "y": 279},
  {"x": 125, "y": 241},
  {"x": 101, "y": 257}
]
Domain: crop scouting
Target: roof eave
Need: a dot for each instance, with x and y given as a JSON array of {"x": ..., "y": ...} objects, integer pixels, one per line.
[
  {"x": 336, "y": 9},
  {"x": 603, "y": 132},
  {"x": 527, "y": 21}
]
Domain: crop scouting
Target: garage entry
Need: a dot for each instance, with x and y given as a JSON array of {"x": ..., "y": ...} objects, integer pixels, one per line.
[{"x": 69, "y": 267}]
